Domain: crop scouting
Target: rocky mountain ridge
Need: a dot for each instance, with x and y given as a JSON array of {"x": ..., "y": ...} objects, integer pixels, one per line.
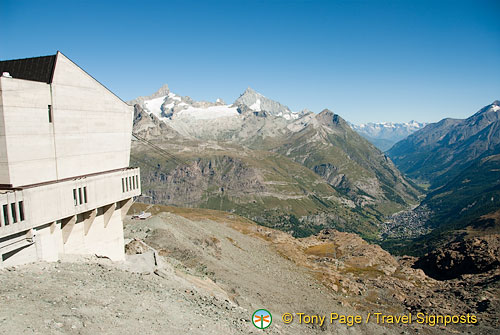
[
  {"x": 460, "y": 161},
  {"x": 312, "y": 170},
  {"x": 181, "y": 112},
  {"x": 438, "y": 152},
  {"x": 263, "y": 105}
]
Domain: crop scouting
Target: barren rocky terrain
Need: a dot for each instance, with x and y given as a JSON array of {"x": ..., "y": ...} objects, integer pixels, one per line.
[{"x": 205, "y": 272}]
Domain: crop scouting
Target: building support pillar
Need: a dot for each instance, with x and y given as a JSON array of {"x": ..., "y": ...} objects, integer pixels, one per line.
[
  {"x": 125, "y": 206},
  {"x": 67, "y": 225},
  {"x": 31, "y": 237},
  {"x": 89, "y": 220},
  {"x": 53, "y": 227},
  {"x": 108, "y": 213}
]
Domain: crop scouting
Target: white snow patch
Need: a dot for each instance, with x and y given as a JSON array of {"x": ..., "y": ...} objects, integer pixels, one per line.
[
  {"x": 174, "y": 96},
  {"x": 154, "y": 105},
  {"x": 212, "y": 112},
  {"x": 495, "y": 108},
  {"x": 256, "y": 106}
]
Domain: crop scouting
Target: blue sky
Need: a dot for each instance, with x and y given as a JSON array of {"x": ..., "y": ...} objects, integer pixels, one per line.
[{"x": 365, "y": 60}]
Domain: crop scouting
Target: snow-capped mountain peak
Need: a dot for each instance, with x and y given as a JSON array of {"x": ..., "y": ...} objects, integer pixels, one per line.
[
  {"x": 172, "y": 106},
  {"x": 166, "y": 105},
  {"x": 495, "y": 106},
  {"x": 259, "y": 103}
]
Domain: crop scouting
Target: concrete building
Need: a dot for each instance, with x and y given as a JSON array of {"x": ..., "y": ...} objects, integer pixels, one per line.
[{"x": 65, "y": 181}]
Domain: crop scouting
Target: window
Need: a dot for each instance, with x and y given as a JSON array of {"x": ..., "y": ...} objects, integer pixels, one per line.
[
  {"x": 85, "y": 194},
  {"x": 133, "y": 182},
  {"x": 50, "y": 113},
  {"x": 79, "y": 195},
  {"x": 13, "y": 212},
  {"x": 21, "y": 211},
  {"x": 126, "y": 183},
  {"x": 130, "y": 182},
  {"x": 123, "y": 185},
  {"x": 6, "y": 215},
  {"x": 74, "y": 196},
  {"x": 137, "y": 181}
]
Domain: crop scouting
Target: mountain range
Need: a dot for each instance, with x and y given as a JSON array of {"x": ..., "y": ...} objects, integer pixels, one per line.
[
  {"x": 299, "y": 172},
  {"x": 459, "y": 161},
  {"x": 437, "y": 153},
  {"x": 302, "y": 172},
  {"x": 385, "y": 134}
]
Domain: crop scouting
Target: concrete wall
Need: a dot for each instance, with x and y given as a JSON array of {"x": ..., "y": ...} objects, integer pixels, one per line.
[
  {"x": 54, "y": 201},
  {"x": 92, "y": 126},
  {"x": 4, "y": 168},
  {"x": 43, "y": 222},
  {"x": 98, "y": 232},
  {"x": 27, "y": 152},
  {"x": 90, "y": 130}
]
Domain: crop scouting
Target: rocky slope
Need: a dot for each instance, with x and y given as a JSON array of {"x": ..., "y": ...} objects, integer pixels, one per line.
[
  {"x": 473, "y": 192},
  {"x": 440, "y": 151},
  {"x": 471, "y": 255},
  {"x": 260, "y": 185},
  {"x": 353, "y": 275},
  {"x": 328, "y": 146},
  {"x": 205, "y": 272},
  {"x": 297, "y": 171},
  {"x": 461, "y": 162},
  {"x": 197, "y": 275}
]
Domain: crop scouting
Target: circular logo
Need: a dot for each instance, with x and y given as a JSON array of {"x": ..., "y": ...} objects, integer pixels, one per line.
[{"x": 262, "y": 318}]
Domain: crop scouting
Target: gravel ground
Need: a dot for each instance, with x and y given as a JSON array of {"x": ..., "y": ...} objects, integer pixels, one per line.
[{"x": 208, "y": 279}]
